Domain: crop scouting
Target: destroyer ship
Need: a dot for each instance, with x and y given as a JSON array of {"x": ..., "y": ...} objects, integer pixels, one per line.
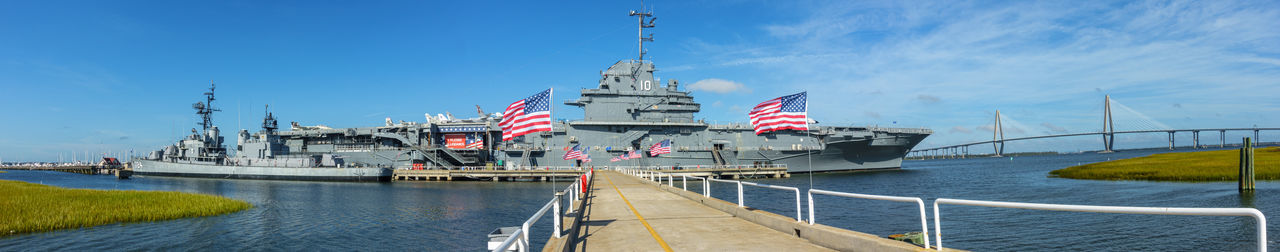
[
  {"x": 627, "y": 110},
  {"x": 264, "y": 155}
]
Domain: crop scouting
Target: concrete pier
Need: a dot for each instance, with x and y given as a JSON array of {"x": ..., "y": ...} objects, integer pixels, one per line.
[{"x": 627, "y": 213}]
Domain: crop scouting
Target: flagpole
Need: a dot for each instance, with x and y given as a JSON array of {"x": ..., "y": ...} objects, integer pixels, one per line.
[
  {"x": 551, "y": 97},
  {"x": 808, "y": 151}
]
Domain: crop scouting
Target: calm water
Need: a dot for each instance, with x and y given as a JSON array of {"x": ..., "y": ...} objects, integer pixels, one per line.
[
  {"x": 308, "y": 216},
  {"x": 1024, "y": 179},
  {"x": 456, "y": 215}
]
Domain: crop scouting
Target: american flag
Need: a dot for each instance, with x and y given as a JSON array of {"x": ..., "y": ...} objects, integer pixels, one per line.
[
  {"x": 625, "y": 156},
  {"x": 474, "y": 141},
  {"x": 586, "y": 157},
  {"x": 527, "y": 115},
  {"x": 634, "y": 154},
  {"x": 615, "y": 159},
  {"x": 574, "y": 153},
  {"x": 663, "y": 147},
  {"x": 787, "y": 112}
]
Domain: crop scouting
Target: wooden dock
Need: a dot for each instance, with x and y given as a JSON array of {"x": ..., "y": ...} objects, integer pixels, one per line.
[
  {"x": 121, "y": 173},
  {"x": 546, "y": 174},
  {"x": 484, "y": 175}
]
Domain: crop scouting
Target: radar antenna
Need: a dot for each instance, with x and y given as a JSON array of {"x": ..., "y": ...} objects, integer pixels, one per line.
[
  {"x": 640, "y": 16},
  {"x": 206, "y": 109},
  {"x": 269, "y": 122}
]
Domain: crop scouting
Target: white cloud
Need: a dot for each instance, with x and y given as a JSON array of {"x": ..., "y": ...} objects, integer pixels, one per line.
[
  {"x": 718, "y": 86},
  {"x": 1054, "y": 128},
  {"x": 928, "y": 99},
  {"x": 1050, "y": 61}
]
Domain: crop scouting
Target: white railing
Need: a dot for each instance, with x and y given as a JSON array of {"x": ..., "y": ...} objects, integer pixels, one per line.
[
  {"x": 706, "y": 186},
  {"x": 1246, "y": 212},
  {"x": 740, "y": 193},
  {"x": 520, "y": 238},
  {"x": 924, "y": 223},
  {"x": 937, "y": 233}
]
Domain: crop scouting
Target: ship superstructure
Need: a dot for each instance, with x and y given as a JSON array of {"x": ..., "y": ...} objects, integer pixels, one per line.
[
  {"x": 630, "y": 109},
  {"x": 263, "y": 155}
]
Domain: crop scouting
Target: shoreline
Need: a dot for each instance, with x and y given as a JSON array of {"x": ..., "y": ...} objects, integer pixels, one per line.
[
  {"x": 29, "y": 208},
  {"x": 1197, "y": 166}
]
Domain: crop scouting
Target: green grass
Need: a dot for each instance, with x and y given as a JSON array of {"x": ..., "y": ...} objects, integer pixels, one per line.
[
  {"x": 27, "y": 207},
  {"x": 1221, "y": 165}
]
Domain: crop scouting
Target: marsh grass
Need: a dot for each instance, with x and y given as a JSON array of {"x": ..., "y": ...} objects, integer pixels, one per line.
[
  {"x": 27, "y": 207},
  {"x": 1220, "y": 165}
]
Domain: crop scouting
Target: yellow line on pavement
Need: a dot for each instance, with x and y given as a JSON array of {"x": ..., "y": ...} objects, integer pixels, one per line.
[{"x": 642, "y": 221}]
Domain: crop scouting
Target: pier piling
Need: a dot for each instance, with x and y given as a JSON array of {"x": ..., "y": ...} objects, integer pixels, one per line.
[{"x": 1246, "y": 166}]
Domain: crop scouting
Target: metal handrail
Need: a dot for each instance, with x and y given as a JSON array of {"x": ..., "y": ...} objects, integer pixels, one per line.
[
  {"x": 740, "y": 193},
  {"x": 506, "y": 244},
  {"x": 706, "y": 192},
  {"x": 1246, "y": 212},
  {"x": 797, "y": 190},
  {"x": 739, "y": 183},
  {"x": 924, "y": 223},
  {"x": 521, "y": 236}
]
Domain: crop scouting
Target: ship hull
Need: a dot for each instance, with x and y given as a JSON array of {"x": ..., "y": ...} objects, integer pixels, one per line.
[{"x": 169, "y": 169}]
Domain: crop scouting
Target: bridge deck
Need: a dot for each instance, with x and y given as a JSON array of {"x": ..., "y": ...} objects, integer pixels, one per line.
[{"x": 626, "y": 214}]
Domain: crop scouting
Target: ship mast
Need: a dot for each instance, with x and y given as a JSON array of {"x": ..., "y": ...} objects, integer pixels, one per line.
[
  {"x": 205, "y": 110},
  {"x": 640, "y": 17}
]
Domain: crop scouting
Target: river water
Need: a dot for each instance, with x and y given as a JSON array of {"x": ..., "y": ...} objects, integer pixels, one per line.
[{"x": 455, "y": 216}]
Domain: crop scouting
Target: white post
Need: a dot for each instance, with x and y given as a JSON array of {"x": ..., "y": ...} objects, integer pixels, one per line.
[
  {"x": 671, "y": 180},
  {"x": 524, "y": 237},
  {"x": 740, "y": 194},
  {"x": 706, "y": 187},
  {"x": 556, "y": 207},
  {"x": 684, "y": 182},
  {"x": 937, "y": 225},
  {"x": 811, "y": 221},
  {"x": 798, "y": 215}
]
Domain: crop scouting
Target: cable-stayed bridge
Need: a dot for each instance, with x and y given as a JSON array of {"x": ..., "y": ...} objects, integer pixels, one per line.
[{"x": 1108, "y": 133}]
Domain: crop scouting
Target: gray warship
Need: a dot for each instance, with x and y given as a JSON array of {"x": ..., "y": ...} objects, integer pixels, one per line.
[
  {"x": 628, "y": 110},
  {"x": 259, "y": 156}
]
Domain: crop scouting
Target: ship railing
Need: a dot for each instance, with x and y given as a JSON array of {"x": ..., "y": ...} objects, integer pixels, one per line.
[
  {"x": 924, "y": 223},
  {"x": 520, "y": 238},
  {"x": 1246, "y": 212},
  {"x": 700, "y": 167}
]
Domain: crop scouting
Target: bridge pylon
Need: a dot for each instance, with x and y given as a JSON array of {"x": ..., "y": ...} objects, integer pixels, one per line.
[
  {"x": 1108, "y": 127},
  {"x": 1195, "y": 139},
  {"x": 997, "y": 136}
]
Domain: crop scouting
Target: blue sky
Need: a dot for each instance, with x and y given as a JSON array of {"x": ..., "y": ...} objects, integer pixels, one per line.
[{"x": 114, "y": 75}]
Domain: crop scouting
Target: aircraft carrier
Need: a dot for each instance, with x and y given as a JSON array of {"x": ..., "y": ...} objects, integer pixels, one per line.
[{"x": 627, "y": 110}]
